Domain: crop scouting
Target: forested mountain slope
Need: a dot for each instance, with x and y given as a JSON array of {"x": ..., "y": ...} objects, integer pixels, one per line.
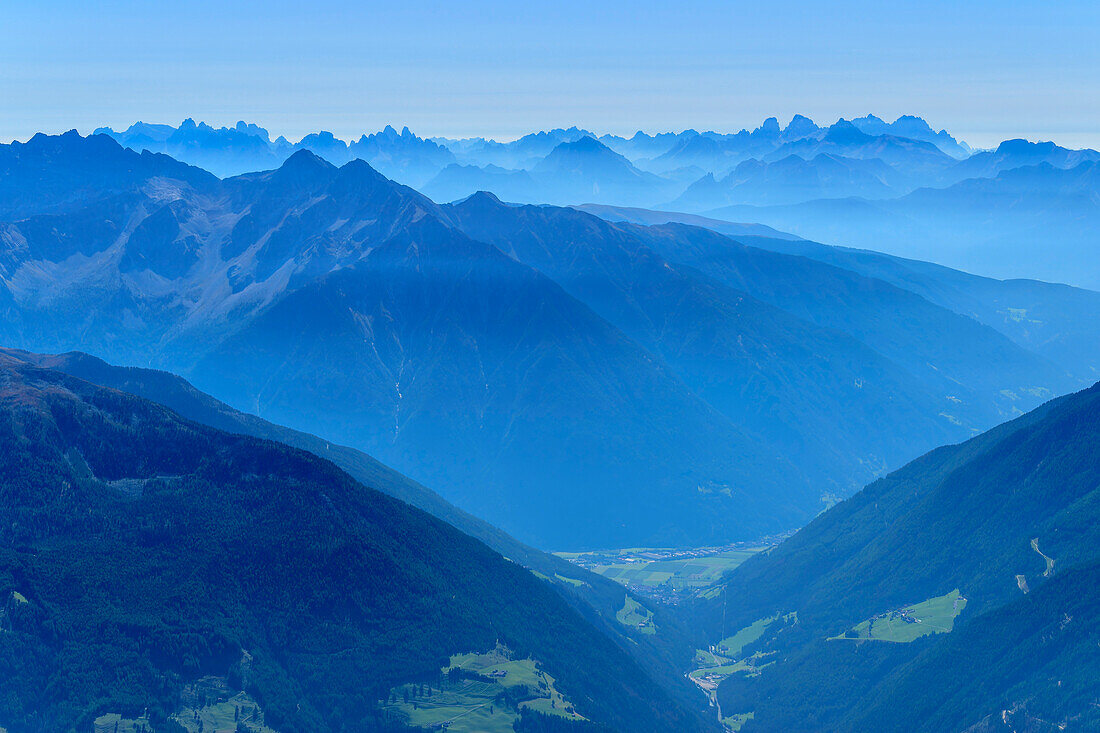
[
  {"x": 998, "y": 517},
  {"x": 598, "y": 599},
  {"x": 141, "y": 551}
]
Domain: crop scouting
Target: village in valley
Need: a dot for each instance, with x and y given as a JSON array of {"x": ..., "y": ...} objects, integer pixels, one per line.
[{"x": 670, "y": 575}]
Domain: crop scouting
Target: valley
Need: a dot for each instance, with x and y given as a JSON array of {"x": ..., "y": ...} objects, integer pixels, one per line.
[{"x": 669, "y": 575}]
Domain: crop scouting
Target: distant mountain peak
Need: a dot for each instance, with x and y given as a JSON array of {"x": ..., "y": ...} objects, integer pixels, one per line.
[
  {"x": 1019, "y": 146},
  {"x": 481, "y": 199},
  {"x": 799, "y": 126},
  {"x": 247, "y": 128},
  {"x": 769, "y": 127},
  {"x": 585, "y": 143},
  {"x": 582, "y": 152},
  {"x": 799, "y": 121},
  {"x": 918, "y": 122},
  {"x": 845, "y": 132},
  {"x": 356, "y": 167},
  {"x": 324, "y": 137},
  {"x": 304, "y": 164}
]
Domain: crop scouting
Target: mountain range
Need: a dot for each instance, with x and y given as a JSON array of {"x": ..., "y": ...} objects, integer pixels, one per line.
[
  {"x": 1034, "y": 221},
  {"x": 677, "y": 385},
  {"x": 899, "y": 187}
]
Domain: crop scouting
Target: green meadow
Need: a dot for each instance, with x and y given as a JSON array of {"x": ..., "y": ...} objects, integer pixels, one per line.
[
  {"x": 636, "y": 616},
  {"x": 485, "y": 704},
  {"x": 933, "y": 616}
]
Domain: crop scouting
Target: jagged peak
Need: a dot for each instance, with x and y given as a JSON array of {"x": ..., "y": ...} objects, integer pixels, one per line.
[
  {"x": 770, "y": 126},
  {"x": 800, "y": 125},
  {"x": 584, "y": 143},
  {"x": 845, "y": 131},
  {"x": 914, "y": 120},
  {"x": 71, "y": 140},
  {"x": 324, "y": 137}
]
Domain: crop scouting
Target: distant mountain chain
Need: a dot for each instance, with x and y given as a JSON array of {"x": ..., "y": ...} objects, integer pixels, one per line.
[
  {"x": 1023, "y": 209},
  {"x": 643, "y": 169},
  {"x": 677, "y": 384}
]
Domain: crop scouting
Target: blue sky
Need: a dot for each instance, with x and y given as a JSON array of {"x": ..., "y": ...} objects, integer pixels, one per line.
[{"x": 984, "y": 70}]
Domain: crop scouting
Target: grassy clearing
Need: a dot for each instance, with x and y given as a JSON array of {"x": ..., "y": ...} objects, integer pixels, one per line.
[
  {"x": 731, "y": 646},
  {"x": 111, "y": 722},
  {"x": 727, "y": 657},
  {"x": 636, "y": 616},
  {"x": 480, "y": 705},
  {"x": 558, "y": 577},
  {"x": 207, "y": 705},
  {"x": 734, "y": 723},
  {"x": 571, "y": 581},
  {"x": 933, "y": 616},
  {"x": 468, "y": 705},
  {"x": 221, "y": 714}
]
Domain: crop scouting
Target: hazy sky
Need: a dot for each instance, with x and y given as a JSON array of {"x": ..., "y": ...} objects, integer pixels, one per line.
[{"x": 984, "y": 70}]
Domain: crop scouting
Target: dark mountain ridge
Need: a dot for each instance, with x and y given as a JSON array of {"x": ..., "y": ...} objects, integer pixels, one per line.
[
  {"x": 177, "y": 551},
  {"x": 597, "y": 598}
]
